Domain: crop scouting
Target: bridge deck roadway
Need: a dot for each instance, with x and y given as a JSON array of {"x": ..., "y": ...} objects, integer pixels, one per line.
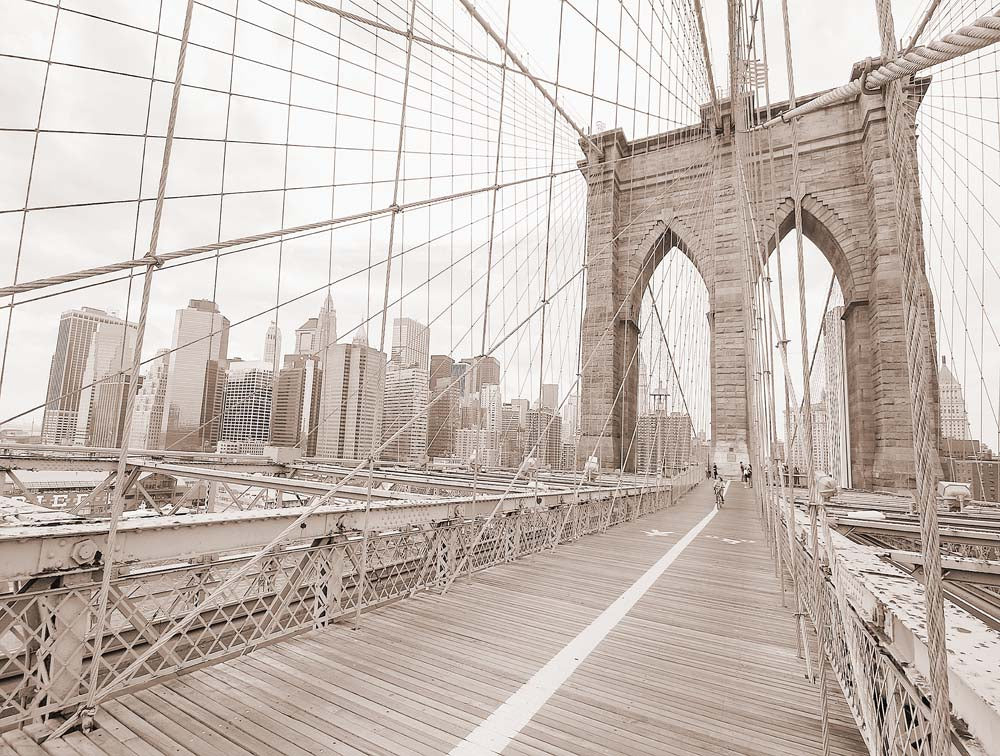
[{"x": 703, "y": 662}]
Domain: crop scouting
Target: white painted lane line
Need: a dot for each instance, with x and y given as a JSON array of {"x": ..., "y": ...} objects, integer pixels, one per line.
[{"x": 503, "y": 725}]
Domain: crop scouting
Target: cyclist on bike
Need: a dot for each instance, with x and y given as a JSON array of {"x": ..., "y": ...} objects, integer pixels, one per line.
[{"x": 720, "y": 492}]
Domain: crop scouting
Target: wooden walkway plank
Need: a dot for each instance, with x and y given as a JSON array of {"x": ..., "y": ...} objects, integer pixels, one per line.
[
  {"x": 21, "y": 744},
  {"x": 271, "y": 714},
  {"x": 299, "y": 701}
]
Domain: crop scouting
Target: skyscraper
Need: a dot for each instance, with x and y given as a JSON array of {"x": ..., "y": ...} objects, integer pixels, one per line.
[
  {"x": 662, "y": 438},
  {"x": 404, "y": 414},
  {"x": 473, "y": 445},
  {"x": 147, "y": 417},
  {"x": 569, "y": 411},
  {"x": 196, "y": 381},
  {"x": 411, "y": 343},
  {"x": 821, "y": 440},
  {"x": 295, "y": 411},
  {"x": 550, "y": 395},
  {"x": 491, "y": 413},
  {"x": 305, "y": 334},
  {"x": 460, "y": 375},
  {"x": 61, "y": 418},
  {"x": 649, "y": 443},
  {"x": 677, "y": 453},
  {"x": 480, "y": 370},
  {"x": 272, "y": 347},
  {"x": 325, "y": 334},
  {"x": 351, "y": 402},
  {"x": 513, "y": 432},
  {"x": 545, "y": 437},
  {"x": 404, "y": 409},
  {"x": 106, "y": 381},
  {"x": 246, "y": 413},
  {"x": 954, "y": 417},
  {"x": 836, "y": 396},
  {"x": 442, "y": 411}
]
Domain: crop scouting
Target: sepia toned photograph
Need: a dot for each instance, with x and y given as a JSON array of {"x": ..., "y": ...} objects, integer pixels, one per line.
[{"x": 480, "y": 377}]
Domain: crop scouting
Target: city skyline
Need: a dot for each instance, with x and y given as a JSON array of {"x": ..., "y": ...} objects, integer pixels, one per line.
[{"x": 242, "y": 406}]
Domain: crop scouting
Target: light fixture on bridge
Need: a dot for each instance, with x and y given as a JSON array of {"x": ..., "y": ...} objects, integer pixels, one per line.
[{"x": 954, "y": 494}]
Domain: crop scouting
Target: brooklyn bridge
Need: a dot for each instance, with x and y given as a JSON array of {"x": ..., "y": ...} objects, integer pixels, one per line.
[{"x": 636, "y": 396}]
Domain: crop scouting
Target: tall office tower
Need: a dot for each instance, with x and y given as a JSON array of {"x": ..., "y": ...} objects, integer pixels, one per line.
[
  {"x": 521, "y": 407},
  {"x": 404, "y": 414},
  {"x": 569, "y": 418},
  {"x": 513, "y": 432},
  {"x": 470, "y": 413},
  {"x": 104, "y": 397},
  {"x": 325, "y": 335},
  {"x": 411, "y": 343},
  {"x": 442, "y": 411},
  {"x": 481, "y": 370},
  {"x": 305, "y": 335},
  {"x": 295, "y": 410},
  {"x": 61, "y": 419},
  {"x": 643, "y": 402},
  {"x": 545, "y": 437},
  {"x": 821, "y": 441},
  {"x": 147, "y": 417},
  {"x": 272, "y": 347},
  {"x": 460, "y": 376},
  {"x": 677, "y": 441},
  {"x": 404, "y": 408},
  {"x": 836, "y": 396},
  {"x": 491, "y": 401},
  {"x": 954, "y": 417},
  {"x": 550, "y": 396},
  {"x": 196, "y": 380},
  {"x": 473, "y": 445},
  {"x": 649, "y": 443},
  {"x": 663, "y": 438},
  {"x": 568, "y": 461},
  {"x": 246, "y": 409},
  {"x": 351, "y": 400}
]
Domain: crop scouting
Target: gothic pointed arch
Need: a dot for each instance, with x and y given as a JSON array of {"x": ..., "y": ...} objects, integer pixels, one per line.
[
  {"x": 825, "y": 228},
  {"x": 656, "y": 238}
]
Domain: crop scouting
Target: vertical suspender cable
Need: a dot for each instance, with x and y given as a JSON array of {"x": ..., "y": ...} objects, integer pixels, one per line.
[
  {"x": 118, "y": 501},
  {"x": 806, "y": 423},
  {"x": 920, "y": 362},
  {"x": 385, "y": 302}
]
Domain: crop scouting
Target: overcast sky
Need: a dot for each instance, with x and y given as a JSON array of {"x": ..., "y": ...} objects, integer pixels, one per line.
[{"x": 89, "y": 180}]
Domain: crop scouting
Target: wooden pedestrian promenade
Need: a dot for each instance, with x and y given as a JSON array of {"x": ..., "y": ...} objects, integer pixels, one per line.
[{"x": 540, "y": 656}]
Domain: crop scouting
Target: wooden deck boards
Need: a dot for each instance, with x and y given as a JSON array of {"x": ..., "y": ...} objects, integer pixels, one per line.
[{"x": 704, "y": 663}]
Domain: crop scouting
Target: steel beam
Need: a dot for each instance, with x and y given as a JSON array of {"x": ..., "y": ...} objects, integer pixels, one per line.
[{"x": 29, "y": 551}]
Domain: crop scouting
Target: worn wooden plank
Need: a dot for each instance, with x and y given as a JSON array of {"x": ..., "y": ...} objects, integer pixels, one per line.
[
  {"x": 22, "y": 744},
  {"x": 113, "y": 727},
  {"x": 107, "y": 743},
  {"x": 277, "y": 716},
  {"x": 158, "y": 732}
]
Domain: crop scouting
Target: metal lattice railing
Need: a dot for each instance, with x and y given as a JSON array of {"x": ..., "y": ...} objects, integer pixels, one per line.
[
  {"x": 888, "y": 702},
  {"x": 47, "y": 623}
]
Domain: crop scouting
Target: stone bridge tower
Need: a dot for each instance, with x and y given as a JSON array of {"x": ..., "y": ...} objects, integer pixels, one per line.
[{"x": 655, "y": 194}]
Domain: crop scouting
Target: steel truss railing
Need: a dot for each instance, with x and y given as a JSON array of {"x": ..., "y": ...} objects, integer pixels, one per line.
[
  {"x": 888, "y": 698},
  {"x": 47, "y": 622}
]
